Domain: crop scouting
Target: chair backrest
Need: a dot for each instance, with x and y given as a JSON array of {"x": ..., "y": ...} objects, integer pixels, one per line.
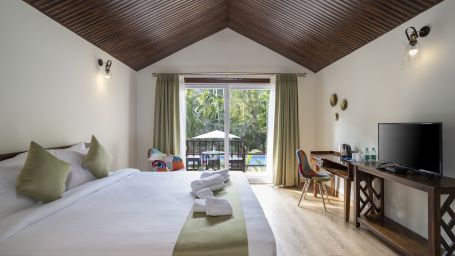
[
  {"x": 304, "y": 166},
  {"x": 237, "y": 148}
]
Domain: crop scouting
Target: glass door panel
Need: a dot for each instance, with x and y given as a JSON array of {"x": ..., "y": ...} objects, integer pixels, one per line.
[
  {"x": 205, "y": 124},
  {"x": 248, "y": 113}
]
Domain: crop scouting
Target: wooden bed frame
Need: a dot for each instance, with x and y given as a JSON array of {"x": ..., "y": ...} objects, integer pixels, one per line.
[{"x": 11, "y": 155}]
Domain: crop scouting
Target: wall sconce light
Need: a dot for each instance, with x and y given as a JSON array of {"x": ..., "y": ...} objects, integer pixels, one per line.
[
  {"x": 413, "y": 47},
  {"x": 106, "y": 68}
]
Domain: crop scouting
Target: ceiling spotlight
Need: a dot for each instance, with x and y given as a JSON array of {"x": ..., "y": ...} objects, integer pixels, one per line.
[
  {"x": 106, "y": 68},
  {"x": 413, "y": 47}
]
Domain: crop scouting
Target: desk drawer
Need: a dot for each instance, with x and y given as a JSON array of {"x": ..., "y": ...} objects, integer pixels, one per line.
[{"x": 321, "y": 162}]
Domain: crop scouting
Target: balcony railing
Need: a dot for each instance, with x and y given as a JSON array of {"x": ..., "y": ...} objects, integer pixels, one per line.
[{"x": 210, "y": 154}]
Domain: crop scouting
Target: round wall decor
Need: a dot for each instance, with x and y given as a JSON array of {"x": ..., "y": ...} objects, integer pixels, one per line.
[
  {"x": 344, "y": 104},
  {"x": 333, "y": 99}
]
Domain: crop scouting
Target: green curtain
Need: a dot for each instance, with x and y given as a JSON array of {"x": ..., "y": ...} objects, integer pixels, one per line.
[
  {"x": 286, "y": 131},
  {"x": 166, "y": 132}
]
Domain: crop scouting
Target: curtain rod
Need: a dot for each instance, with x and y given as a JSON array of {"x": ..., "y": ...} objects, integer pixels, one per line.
[{"x": 232, "y": 73}]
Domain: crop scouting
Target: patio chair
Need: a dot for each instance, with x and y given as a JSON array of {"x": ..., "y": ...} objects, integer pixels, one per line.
[
  {"x": 237, "y": 159},
  {"x": 193, "y": 155}
]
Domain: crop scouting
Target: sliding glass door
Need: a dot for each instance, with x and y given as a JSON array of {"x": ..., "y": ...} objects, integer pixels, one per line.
[
  {"x": 227, "y": 125},
  {"x": 248, "y": 113},
  {"x": 205, "y": 122}
]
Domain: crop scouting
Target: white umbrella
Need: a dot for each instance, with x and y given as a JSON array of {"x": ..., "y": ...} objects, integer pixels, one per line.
[{"x": 215, "y": 135}]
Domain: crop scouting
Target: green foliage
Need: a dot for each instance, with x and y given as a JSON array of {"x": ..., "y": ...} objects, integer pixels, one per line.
[
  {"x": 248, "y": 114},
  {"x": 204, "y": 111}
]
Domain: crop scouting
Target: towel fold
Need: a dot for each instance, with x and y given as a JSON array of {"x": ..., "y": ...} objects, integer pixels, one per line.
[
  {"x": 227, "y": 177},
  {"x": 199, "y": 205},
  {"x": 211, "y": 188},
  {"x": 217, "y": 206},
  {"x": 223, "y": 172},
  {"x": 211, "y": 180},
  {"x": 217, "y": 187},
  {"x": 204, "y": 193}
]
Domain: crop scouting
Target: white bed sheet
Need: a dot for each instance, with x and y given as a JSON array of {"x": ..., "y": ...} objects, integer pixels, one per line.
[{"x": 128, "y": 213}]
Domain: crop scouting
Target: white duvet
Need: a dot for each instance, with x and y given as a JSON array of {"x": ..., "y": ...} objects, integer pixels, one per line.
[{"x": 128, "y": 213}]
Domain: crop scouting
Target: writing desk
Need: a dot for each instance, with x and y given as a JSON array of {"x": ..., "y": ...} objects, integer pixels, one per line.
[{"x": 331, "y": 161}]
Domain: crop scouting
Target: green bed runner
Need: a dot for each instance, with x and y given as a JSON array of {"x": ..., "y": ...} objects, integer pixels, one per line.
[{"x": 223, "y": 235}]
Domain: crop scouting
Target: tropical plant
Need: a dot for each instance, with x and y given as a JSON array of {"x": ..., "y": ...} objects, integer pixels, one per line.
[
  {"x": 248, "y": 114},
  {"x": 204, "y": 111},
  {"x": 249, "y": 160}
]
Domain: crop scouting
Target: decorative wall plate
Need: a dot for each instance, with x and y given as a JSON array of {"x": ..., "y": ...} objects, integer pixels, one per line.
[
  {"x": 337, "y": 116},
  {"x": 344, "y": 104},
  {"x": 333, "y": 99}
]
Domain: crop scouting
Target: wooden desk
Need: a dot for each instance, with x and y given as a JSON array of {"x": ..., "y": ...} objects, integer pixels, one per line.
[
  {"x": 369, "y": 210},
  {"x": 330, "y": 161}
]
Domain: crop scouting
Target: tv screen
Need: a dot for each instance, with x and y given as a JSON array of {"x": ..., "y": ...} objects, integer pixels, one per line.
[{"x": 415, "y": 146}]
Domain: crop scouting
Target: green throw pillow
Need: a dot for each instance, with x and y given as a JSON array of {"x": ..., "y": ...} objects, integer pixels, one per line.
[
  {"x": 43, "y": 176},
  {"x": 98, "y": 160}
]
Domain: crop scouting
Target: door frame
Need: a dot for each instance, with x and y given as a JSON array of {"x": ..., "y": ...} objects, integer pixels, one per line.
[{"x": 268, "y": 175}]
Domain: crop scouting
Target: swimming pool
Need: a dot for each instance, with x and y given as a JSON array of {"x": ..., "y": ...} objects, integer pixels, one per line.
[
  {"x": 256, "y": 160},
  {"x": 251, "y": 160}
]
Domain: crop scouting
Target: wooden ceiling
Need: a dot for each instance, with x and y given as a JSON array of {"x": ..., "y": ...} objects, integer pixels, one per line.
[
  {"x": 310, "y": 32},
  {"x": 138, "y": 32}
]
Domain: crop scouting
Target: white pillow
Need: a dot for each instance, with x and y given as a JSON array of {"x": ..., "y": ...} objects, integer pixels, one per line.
[
  {"x": 21, "y": 156},
  {"x": 10, "y": 201},
  {"x": 77, "y": 148},
  {"x": 78, "y": 175}
]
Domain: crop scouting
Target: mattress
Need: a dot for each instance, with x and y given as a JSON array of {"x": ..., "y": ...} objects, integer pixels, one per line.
[{"x": 127, "y": 213}]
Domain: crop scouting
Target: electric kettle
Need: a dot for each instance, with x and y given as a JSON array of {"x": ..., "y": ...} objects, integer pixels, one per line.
[{"x": 345, "y": 151}]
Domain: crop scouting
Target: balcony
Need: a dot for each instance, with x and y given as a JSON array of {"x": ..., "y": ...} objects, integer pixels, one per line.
[{"x": 208, "y": 154}]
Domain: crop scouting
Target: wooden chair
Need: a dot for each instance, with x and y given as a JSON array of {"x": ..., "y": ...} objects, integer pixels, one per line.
[
  {"x": 309, "y": 175},
  {"x": 193, "y": 155},
  {"x": 237, "y": 157}
]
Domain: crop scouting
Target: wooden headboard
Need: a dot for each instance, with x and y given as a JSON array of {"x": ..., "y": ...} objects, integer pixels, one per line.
[{"x": 11, "y": 155}]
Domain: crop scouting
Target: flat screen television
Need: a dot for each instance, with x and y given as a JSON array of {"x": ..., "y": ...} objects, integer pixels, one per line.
[{"x": 415, "y": 146}]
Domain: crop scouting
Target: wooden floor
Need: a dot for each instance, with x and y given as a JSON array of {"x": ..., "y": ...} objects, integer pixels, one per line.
[{"x": 308, "y": 230}]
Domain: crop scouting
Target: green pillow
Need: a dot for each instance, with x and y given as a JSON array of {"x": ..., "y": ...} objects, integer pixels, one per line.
[
  {"x": 98, "y": 160},
  {"x": 43, "y": 176}
]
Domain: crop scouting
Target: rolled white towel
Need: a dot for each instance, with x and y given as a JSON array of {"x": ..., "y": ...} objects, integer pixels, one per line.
[
  {"x": 217, "y": 206},
  {"x": 197, "y": 185},
  {"x": 217, "y": 187},
  {"x": 206, "y": 174},
  {"x": 227, "y": 178},
  {"x": 199, "y": 205},
  {"x": 211, "y": 188},
  {"x": 223, "y": 172},
  {"x": 204, "y": 193}
]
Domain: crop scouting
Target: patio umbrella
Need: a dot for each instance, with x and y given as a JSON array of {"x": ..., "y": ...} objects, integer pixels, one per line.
[{"x": 215, "y": 135}]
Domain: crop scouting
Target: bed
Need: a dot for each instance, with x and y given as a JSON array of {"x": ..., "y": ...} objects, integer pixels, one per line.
[{"x": 127, "y": 213}]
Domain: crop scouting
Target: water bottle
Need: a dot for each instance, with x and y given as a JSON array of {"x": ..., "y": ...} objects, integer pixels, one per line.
[
  {"x": 366, "y": 155},
  {"x": 373, "y": 155}
]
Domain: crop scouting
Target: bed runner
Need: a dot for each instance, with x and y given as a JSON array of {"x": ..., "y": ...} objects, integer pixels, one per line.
[{"x": 223, "y": 235}]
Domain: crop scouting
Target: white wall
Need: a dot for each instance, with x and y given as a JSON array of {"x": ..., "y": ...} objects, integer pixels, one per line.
[
  {"x": 382, "y": 86},
  {"x": 50, "y": 90},
  {"x": 222, "y": 52}
]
